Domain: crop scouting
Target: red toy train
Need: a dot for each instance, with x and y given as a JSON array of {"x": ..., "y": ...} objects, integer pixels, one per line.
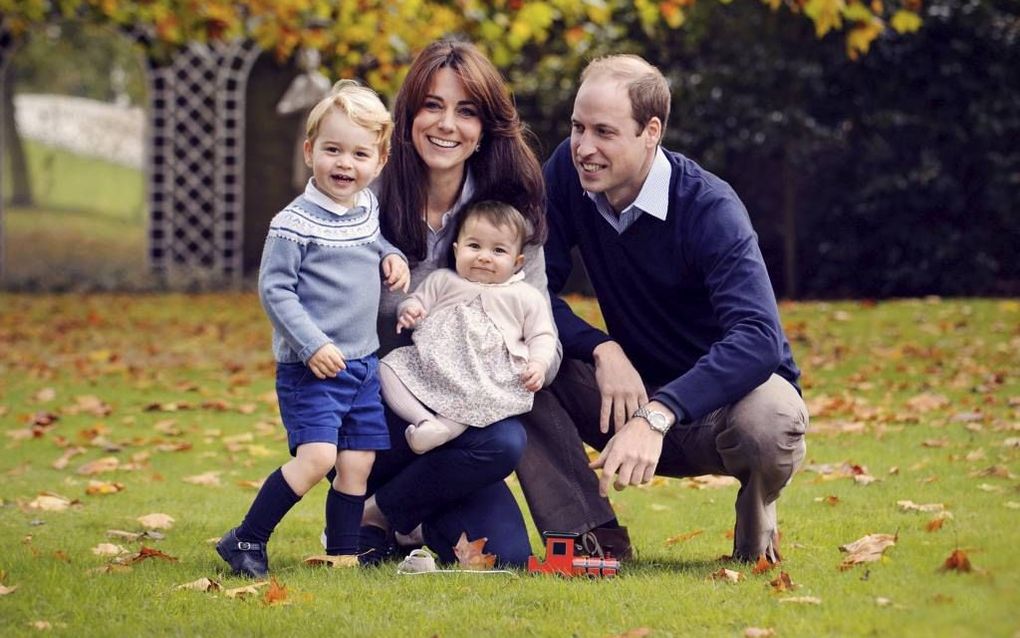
[{"x": 566, "y": 554}]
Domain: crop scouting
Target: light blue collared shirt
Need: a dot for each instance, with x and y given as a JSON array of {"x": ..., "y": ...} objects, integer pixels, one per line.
[{"x": 652, "y": 199}]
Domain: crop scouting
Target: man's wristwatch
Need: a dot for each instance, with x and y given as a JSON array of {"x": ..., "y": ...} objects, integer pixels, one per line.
[{"x": 658, "y": 421}]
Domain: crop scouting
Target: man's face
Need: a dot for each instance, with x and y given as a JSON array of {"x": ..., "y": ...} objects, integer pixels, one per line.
[{"x": 611, "y": 156}]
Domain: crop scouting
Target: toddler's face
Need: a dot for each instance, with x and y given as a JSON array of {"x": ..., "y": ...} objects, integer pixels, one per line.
[
  {"x": 485, "y": 253},
  {"x": 344, "y": 158}
]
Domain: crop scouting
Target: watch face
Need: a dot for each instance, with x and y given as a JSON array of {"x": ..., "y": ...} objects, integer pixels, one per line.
[{"x": 658, "y": 421}]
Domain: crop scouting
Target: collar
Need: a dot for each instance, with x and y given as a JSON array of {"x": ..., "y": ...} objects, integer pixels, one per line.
[
  {"x": 320, "y": 199},
  {"x": 517, "y": 277},
  {"x": 653, "y": 198}
]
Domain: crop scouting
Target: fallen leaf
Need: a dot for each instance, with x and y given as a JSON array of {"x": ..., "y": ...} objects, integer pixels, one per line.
[
  {"x": 957, "y": 562},
  {"x": 935, "y": 524},
  {"x": 50, "y": 502},
  {"x": 145, "y": 553},
  {"x": 802, "y": 600},
  {"x": 332, "y": 561},
  {"x": 103, "y": 487},
  {"x": 828, "y": 500},
  {"x": 44, "y": 395},
  {"x": 247, "y": 590},
  {"x": 108, "y": 549},
  {"x": 762, "y": 565},
  {"x": 470, "y": 555},
  {"x": 41, "y": 625},
  {"x": 866, "y": 549},
  {"x": 208, "y": 479},
  {"x": 251, "y": 485},
  {"x": 911, "y": 506},
  {"x": 782, "y": 582},
  {"x": 927, "y": 402},
  {"x": 66, "y": 457},
  {"x": 709, "y": 481},
  {"x": 106, "y": 464},
  {"x": 276, "y": 594},
  {"x": 156, "y": 521},
  {"x": 5, "y": 590},
  {"x": 202, "y": 584},
  {"x": 759, "y": 632},
  {"x": 935, "y": 443},
  {"x": 727, "y": 575},
  {"x": 638, "y": 632},
  {"x": 680, "y": 538},
  {"x": 882, "y": 601}
]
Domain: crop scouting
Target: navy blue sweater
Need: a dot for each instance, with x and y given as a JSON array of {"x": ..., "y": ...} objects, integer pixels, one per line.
[{"x": 688, "y": 299}]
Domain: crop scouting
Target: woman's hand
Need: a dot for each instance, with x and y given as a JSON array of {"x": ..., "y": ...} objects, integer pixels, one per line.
[
  {"x": 533, "y": 376},
  {"x": 396, "y": 274},
  {"x": 327, "y": 361},
  {"x": 412, "y": 313}
]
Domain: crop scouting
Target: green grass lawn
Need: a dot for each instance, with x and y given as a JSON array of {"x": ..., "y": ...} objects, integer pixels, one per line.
[
  {"x": 921, "y": 395},
  {"x": 86, "y": 229}
]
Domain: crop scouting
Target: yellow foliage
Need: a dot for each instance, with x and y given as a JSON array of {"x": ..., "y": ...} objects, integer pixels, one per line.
[
  {"x": 859, "y": 39},
  {"x": 905, "y": 21},
  {"x": 827, "y": 14}
]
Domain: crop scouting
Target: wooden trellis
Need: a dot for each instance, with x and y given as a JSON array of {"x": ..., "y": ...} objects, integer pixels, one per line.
[{"x": 194, "y": 160}]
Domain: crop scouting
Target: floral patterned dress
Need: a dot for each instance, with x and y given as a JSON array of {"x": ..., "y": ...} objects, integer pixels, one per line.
[{"x": 459, "y": 367}]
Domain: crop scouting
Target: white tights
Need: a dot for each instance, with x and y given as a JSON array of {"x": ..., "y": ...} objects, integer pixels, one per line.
[{"x": 426, "y": 430}]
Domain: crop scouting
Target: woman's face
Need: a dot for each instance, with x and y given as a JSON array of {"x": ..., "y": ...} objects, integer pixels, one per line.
[{"x": 448, "y": 126}]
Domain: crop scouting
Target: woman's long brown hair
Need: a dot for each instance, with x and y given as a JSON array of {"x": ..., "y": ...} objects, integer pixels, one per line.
[{"x": 505, "y": 169}]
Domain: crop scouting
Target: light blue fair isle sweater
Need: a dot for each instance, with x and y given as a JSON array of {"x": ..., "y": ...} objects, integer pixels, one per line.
[{"x": 319, "y": 281}]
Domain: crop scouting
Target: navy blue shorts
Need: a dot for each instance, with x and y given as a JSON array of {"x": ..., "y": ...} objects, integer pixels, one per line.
[{"x": 345, "y": 410}]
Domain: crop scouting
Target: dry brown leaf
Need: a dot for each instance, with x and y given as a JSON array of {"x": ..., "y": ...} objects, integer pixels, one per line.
[
  {"x": 106, "y": 464},
  {"x": 103, "y": 487},
  {"x": 680, "y": 538},
  {"x": 727, "y": 575},
  {"x": 145, "y": 553},
  {"x": 333, "y": 561},
  {"x": 208, "y": 479},
  {"x": 637, "y": 632},
  {"x": 50, "y": 502},
  {"x": 41, "y": 625},
  {"x": 5, "y": 590},
  {"x": 762, "y": 565},
  {"x": 202, "y": 584},
  {"x": 156, "y": 521},
  {"x": 803, "y": 600},
  {"x": 66, "y": 457},
  {"x": 108, "y": 549},
  {"x": 935, "y": 524},
  {"x": 759, "y": 632},
  {"x": 957, "y": 562},
  {"x": 866, "y": 549},
  {"x": 470, "y": 555},
  {"x": 911, "y": 506},
  {"x": 926, "y": 402},
  {"x": 251, "y": 485},
  {"x": 828, "y": 500},
  {"x": 247, "y": 590},
  {"x": 782, "y": 582},
  {"x": 709, "y": 481},
  {"x": 276, "y": 594},
  {"x": 44, "y": 395}
]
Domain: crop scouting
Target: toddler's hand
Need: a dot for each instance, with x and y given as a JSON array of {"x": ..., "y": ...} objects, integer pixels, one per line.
[
  {"x": 411, "y": 315},
  {"x": 327, "y": 361},
  {"x": 396, "y": 274},
  {"x": 533, "y": 376}
]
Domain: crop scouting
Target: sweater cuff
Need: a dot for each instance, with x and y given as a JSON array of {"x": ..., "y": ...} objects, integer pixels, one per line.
[
  {"x": 675, "y": 408},
  {"x": 584, "y": 346},
  {"x": 306, "y": 353}
]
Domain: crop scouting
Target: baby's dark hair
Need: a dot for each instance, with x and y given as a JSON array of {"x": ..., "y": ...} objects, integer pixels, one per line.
[{"x": 500, "y": 215}]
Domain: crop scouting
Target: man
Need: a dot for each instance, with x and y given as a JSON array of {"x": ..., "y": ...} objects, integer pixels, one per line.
[{"x": 695, "y": 374}]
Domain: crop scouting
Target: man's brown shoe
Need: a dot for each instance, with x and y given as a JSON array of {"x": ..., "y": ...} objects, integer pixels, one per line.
[{"x": 615, "y": 542}]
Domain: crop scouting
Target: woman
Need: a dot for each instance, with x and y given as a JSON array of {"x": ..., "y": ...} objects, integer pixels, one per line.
[{"x": 457, "y": 139}]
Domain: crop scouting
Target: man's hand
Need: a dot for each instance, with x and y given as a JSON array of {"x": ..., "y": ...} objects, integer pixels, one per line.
[
  {"x": 396, "y": 274},
  {"x": 533, "y": 376},
  {"x": 412, "y": 313},
  {"x": 619, "y": 384},
  {"x": 630, "y": 457},
  {"x": 327, "y": 361}
]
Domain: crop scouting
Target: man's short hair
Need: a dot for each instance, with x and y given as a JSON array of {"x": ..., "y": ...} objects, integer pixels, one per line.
[{"x": 646, "y": 86}]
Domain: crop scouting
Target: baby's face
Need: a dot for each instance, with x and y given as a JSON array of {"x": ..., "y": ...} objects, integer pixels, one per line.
[{"x": 487, "y": 254}]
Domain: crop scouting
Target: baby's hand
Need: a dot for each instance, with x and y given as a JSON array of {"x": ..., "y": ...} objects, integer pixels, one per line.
[
  {"x": 396, "y": 275},
  {"x": 533, "y": 376},
  {"x": 413, "y": 313},
  {"x": 327, "y": 361}
]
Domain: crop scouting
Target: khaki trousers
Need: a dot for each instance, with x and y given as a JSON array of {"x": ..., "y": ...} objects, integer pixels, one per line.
[{"x": 759, "y": 440}]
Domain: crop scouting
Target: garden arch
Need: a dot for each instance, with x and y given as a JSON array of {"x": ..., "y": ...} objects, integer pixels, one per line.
[{"x": 194, "y": 159}]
